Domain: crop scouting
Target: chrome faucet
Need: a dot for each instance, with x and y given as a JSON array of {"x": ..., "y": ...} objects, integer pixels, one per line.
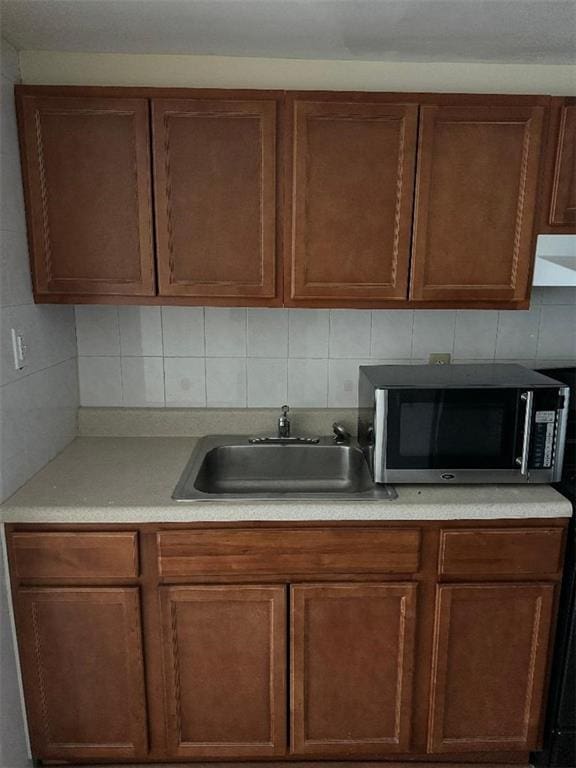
[{"x": 284, "y": 423}]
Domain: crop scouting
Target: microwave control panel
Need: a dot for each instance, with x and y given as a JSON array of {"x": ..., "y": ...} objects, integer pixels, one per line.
[{"x": 543, "y": 431}]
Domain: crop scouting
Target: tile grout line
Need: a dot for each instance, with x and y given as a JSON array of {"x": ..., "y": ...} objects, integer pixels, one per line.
[
  {"x": 120, "y": 348},
  {"x": 163, "y": 355}
]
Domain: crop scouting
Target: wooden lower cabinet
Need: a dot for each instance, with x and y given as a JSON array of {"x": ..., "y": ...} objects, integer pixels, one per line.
[
  {"x": 81, "y": 659},
  {"x": 225, "y": 665},
  {"x": 352, "y": 667},
  {"x": 424, "y": 642},
  {"x": 488, "y": 677}
]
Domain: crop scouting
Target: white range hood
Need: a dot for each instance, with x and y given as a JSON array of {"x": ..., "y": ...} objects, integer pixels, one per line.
[{"x": 555, "y": 260}]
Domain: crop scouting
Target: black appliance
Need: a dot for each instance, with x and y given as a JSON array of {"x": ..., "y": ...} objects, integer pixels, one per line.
[{"x": 560, "y": 730}]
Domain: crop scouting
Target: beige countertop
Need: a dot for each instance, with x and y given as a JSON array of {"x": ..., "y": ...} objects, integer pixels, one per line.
[{"x": 131, "y": 479}]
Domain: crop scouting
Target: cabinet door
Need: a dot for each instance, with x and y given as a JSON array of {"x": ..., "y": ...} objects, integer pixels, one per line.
[
  {"x": 86, "y": 167},
  {"x": 563, "y": 204},
  {"x": 225, "y": 662},
  {"x": 82, "y": 667},
  {"x": 476, "y": 191},
  {"x": 352, "y": 668},
  {"x": 351, "y": 197},
  {"x": 491, "y": 648},
  {"x": 215, "y": 197}
]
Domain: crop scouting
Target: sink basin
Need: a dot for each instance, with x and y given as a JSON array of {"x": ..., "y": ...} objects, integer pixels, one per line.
[{"x": 232, "y": 467}]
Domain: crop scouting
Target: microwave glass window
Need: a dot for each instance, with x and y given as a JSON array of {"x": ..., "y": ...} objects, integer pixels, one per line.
[
  {"x": 452, "y": 429},
  {"x": 426, "y": 429}
]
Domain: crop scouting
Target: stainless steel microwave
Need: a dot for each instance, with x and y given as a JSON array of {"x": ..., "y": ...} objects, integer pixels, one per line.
[{"x": 492, "y": 423}]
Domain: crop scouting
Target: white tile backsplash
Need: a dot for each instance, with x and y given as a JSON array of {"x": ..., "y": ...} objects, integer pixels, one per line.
[
  {"x": 308, "y": 383},
  {"x": 267, "y": 382},
  {"x": 475, "y": 335},
  {"x": 433, "y": 333},
  {"x": 350, "y": 332},
  {"x": 142, "y": 382},
  {"x": 309, "y": 333},
  {"x": 226, "y": 382},
  {"x": 225, "y": 332},
  {"x": 308, "y": 357},
  {"x": 343, "y": 382},
  {"x": 557, "y": 337},
  {"x": 517, "y": 337},
  {"x": 97, "y": 330},
  {"x": 100, "y": 381},
  {"x": 185, "y": 382},
  {"x": 183, "y": 331},
  {"x": 140, "y": 331},
  {"x": 267, "y": 333},
  {"x": 392, "y": 333}
]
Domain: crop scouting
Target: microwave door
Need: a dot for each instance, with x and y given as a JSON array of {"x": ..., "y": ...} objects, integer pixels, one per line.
[{"x": 451, "y": 429}]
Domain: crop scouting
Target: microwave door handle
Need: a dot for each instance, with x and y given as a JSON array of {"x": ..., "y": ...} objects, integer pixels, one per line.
[{"x": 528, "y": 398}]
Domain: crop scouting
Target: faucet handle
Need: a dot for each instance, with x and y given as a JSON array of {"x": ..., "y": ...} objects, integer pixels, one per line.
[{"x": 341, "y": 434}]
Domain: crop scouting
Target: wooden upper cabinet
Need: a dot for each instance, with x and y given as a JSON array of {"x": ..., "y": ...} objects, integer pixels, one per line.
[
  {"x": 352, "y": 668},
  {"x": 488, "y": 678},
  {"x": 476, "y": 190},
  {"x": 215, "y": 198},
  {"x": 225, "y": 668},
  {"x": 86, "y": 168},
  {"x": 82, "y": 666},
  {"x": 560, "y": 206},
  {"x": 350, "y": 185}
]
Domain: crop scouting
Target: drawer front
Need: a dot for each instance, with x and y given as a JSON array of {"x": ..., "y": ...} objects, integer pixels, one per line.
[
  {"x": 306, "y": 552},
  {"x": 75, "y": 555},
  {"x": 500, "y": 552}
]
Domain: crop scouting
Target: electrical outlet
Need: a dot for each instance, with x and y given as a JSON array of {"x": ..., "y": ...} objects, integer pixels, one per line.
[{"x": 437, "y": 358}]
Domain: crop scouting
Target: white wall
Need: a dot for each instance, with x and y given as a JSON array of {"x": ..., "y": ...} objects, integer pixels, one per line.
[
  {"x": 57, "y": 68},
  {"x": 196, "y": 357},
  {"x": 38, "y": 405}
]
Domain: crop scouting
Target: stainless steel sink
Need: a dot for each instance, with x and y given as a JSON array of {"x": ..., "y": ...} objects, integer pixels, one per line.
[{"x": 234, "y": 467}]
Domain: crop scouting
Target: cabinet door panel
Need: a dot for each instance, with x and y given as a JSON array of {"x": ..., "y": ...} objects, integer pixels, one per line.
[
  {"x": 475, "y": 201},
  {"x": 563, "y": 207},
  {"x": 81, "y": 653},
  {"x": 352, "y": 668},
  {"x": 351, "y": 198},
  {"x": 86, "y": 165},
  {"x": 225, "y": 660},
  {"x": 215, "y": 185},
  {"x": 491, "y": 649}
]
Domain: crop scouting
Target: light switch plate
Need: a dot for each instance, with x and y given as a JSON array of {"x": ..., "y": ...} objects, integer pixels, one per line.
[{"x": 18, "y": 349}]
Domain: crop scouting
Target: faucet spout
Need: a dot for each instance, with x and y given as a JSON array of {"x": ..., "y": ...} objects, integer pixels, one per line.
[{"x": 284, "y": 423}]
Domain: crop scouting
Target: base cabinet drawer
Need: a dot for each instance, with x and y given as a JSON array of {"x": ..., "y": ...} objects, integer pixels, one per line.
[
  {"x": 521, "y": 552},
  {"x": 352, "y": 661},
  {"x": 312, "y": 552},
  {"x": 75, "y": 555},
  {"x": 488, "y": 678},
  {"x": 82, "y": 668}
]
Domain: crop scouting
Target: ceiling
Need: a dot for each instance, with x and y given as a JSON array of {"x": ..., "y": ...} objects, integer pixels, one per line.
[{"x": 531, "y": 31}]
